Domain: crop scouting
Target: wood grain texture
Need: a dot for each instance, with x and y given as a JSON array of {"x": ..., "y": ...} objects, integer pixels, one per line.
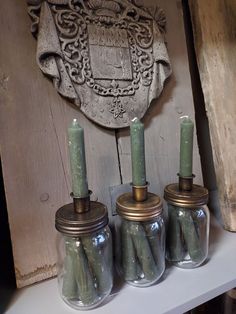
[
  {"x": 162, "y": 121},
  {"x": 33, "y": 127},
  {"x": 214, "y": 24}
]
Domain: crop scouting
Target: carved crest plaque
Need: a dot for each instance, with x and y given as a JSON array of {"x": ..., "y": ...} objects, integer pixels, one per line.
[{"x": 108, "y": 57}]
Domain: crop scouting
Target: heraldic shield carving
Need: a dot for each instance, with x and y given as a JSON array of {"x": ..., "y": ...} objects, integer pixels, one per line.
[{"x": 107, "y": 57}]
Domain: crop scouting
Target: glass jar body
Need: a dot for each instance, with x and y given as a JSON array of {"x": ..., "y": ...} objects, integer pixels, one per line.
[
  {"x": 187, "y": 236},
  {"x": 140, "y": 250},
  {"x": 85, "y": 268}
]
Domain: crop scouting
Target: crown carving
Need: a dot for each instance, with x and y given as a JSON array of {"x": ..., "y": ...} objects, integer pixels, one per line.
[{"x": 104, "y": 7}]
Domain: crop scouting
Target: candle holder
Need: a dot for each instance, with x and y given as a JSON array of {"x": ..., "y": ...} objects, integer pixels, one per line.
[
  {"x": 188, "y": 223},
  {"x": 81, "y": 204},
  {"x": 186, "y": 183},
  {"x": 140, "y": 193},
  {"x": 140, "y": 234},
  {"x": 85, "y": 253}
]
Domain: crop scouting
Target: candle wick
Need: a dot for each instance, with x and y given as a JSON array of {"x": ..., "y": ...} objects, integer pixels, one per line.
[{"x": 183, "y": 117}]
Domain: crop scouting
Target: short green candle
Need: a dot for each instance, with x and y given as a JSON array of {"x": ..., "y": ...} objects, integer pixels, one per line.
[
  {"x": 174, "y": 235},
  {"x": 69, "y": 288},
  {"x": 97, "y": 261},
  {"x": 143, "y": 250},
  {"x": 191, "y": 236},
  {"x": 186, "y": 147},
  {"x": 137, "y": 152},
  {"x": 77, "y": 160},
  {"x": 129, "y": 260}
]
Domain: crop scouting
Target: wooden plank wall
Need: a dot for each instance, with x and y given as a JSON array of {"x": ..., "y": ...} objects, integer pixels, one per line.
[
  {"x": 33, "y": 124},
  {"x": 162, "y": 119},
  {"x": 214, "y": 24}
]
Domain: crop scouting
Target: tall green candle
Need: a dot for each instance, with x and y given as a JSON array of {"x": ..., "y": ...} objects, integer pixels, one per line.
[
  {"x": 186, "y": 147},
  {"x": 137, "y": 152},
  {"x": 77, "y": 160}
]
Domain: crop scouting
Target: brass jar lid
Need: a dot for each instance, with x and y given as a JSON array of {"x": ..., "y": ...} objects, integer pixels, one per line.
[
  {"x": 71, "y": 223},
  {"x": 130, "y": 209},
  {"x": 197, "y": 197}
]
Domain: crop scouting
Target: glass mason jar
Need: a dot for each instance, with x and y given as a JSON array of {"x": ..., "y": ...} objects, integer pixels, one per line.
[
  {"x": 140, "y": 251},
  {"x": 140, "y": 237},
  {"x": 187, "y": 236},
  {"x": 85, "y": 259},
  {"x": 85, "y": 268}
]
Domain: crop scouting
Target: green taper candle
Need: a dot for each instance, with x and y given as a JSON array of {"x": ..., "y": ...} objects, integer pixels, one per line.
[
  {"x": 174, "y": 235},
  {"x": 77, "y": 160},
  {"x": 137, "y": 152},
  {"x": 84, "y": 277},
  {"x": 143, "y": 250},
  {"x": 186, "y": 147},
  {"x": 97, "y": 261},
  {"x": 69, "y": 288},
  {"x": 129, "y": 260},
  {"x": 191, "y": 236}
]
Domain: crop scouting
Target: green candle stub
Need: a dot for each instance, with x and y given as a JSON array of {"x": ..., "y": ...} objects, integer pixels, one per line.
[
  {"x": 143, "y": 251},
  {"x": 78, "y": 280},
  {"x": 191, "y": 236},
  {"x": 183, "y": 235},
  {"x": 186, "y": 147},
  {"x": 129, "y": 260},
  {"x": 174, "y": 235},
  {"x": 137, "y": 152},
  {"x": 97, "y": 261},
  {"x": 157, "y": 246},
  {"x": 77, "y": 160},
  {"x": 69, "y": 288},
  {"x": 84, "y": 278}
]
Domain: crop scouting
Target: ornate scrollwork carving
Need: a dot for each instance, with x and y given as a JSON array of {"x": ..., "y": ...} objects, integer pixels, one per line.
[{"x": 102, "y": 51}]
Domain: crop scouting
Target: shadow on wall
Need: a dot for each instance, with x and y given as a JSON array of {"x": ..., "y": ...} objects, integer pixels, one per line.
[{"x": 7, "y": 274}]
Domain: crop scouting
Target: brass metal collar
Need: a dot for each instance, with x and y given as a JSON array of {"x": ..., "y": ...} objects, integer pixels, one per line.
[
  {"x": 130, "y": 209},
  {"x": 140, "y": 193},
  {"x": 72, "y": 223},
  {"x": 197, "y": 197},
  {"x": 81, "y": 204}
]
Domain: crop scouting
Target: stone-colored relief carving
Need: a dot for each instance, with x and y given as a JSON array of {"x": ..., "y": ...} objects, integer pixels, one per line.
[{"x": 108, "y": 57}]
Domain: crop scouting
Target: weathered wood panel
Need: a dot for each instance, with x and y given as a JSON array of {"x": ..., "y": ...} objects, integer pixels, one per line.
[
  {"x": 214, "y": 24},
  {"x": 163, "y": 118},
  {"x": 33, "y": 124}
]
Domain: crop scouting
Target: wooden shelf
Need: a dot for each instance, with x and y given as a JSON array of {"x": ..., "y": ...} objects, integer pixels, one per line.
[{"x": 179, "y": 291}]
